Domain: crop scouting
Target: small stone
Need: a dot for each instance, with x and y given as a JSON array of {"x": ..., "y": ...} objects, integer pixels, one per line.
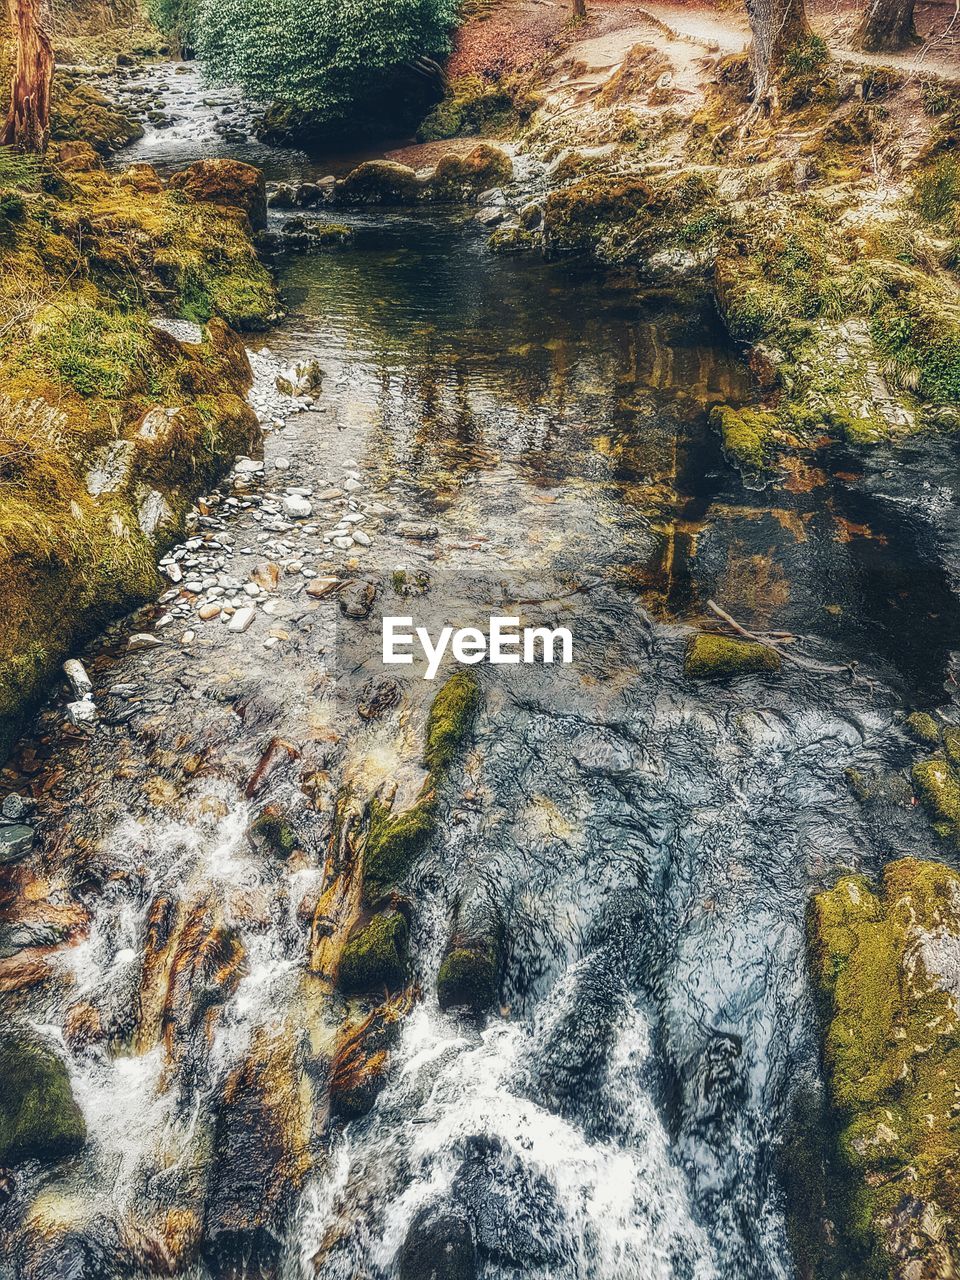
[
  {"x": 320, "y": 587},
  {"x": 80, "y": 682},
  {"x": 251, "y": 589},
  {"x": 343, "y": 544},
  {"x": 357, "y": 599},
  {"x": 208, "y": 611},
  {"x": 188, "y": 637},
  {"x": 352, "y": 485},
  {"x": 242, "y": 618},
  {"x": 419, "y": 530},
  {"x": 82, "y": 714},
  {"x": 142, "y": 641},
  {"x": 296, "y": 507},
  {"x": 15, "y": 843},
  {"x": 16, "y": 807},
  {"x": 490, "y": 217},
  {"x": 173, "y": 572},
  {"x": 282, "y": 464},
  {"x": 362, "y": 539}
]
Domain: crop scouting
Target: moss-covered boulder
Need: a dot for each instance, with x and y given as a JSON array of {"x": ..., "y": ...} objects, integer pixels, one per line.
[
  {"x": 469, "y": 977},
  {"x": 375, "y": 957},
  {"x": 937, "y": 784},
  {"x": 228, "y": 183},
  {"x": 923, "y": 728},
  {"x": 39, "y": 1116},
  {"x": 885, "y": 962},
  {"x": 511, "y": 240},
  {"x": 451, "y": 718},
  {"x": 457, "y": 177},
  {"x": 746, "y": 434},
  {"x": 79, "y": 112},
  {"x": 394, "y": 841},
  {"x": 380, "y": 182},
  {"x": 713, "y": 657}
]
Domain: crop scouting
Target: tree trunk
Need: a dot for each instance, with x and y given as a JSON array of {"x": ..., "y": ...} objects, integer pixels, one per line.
[
  {"x": 777, "y": 25},
  {"x": 579, "y": 8},
  {"x": 885, "y": 26},
  {"x": 28, "y": 121}
]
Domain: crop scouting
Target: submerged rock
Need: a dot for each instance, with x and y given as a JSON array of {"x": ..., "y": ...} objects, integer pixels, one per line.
[
  {"x": 16, "y": 842},
  {"x": 713, "y": 657},
  {"x": 439, "y": 1245},
  {"x": 39, "y": 1117}
]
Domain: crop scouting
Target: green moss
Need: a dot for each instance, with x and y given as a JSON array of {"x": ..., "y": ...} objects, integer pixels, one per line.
[
  {"x": 892, "y": 1053},
  {"x": 376, "y": 956},
  {"x": 511, "y": 240},
  {"x": 746, "y": 433},
  {"x": 456, "y": 177},
  {"x": 938, "y": 786},
  {"x": 713, "y": 657},
  {"x": 476, "y": 106},
  {"x": 381, "y": 182},
  {"x": 275, "y": 831},
  {"x": 395, "y": 841},
  {"x": 451, "y": 718},
  {"x": 39, "y": 1117},
  {"x": 923, "y": 728},
  {"x": 468, "y": 978}
]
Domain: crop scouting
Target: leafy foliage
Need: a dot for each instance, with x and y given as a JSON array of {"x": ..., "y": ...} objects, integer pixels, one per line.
[{"x": 321, "y": 56}]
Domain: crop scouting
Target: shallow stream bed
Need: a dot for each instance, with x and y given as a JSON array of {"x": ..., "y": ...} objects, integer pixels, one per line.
[{"x": 647, "y": 844}]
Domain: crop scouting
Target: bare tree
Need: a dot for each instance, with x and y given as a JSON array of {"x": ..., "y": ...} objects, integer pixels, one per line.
[
  {"x": 885, "y": 26},
  {"x": 777, "y": 25},
  {"x": 28, "y": 120}
]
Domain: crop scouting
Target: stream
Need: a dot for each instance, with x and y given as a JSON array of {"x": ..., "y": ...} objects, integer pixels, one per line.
[{"x": 647, "y": 843}]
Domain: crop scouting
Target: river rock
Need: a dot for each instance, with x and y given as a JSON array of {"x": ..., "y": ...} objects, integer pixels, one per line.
[
  {"x": 381, "y": 182},
  {"x": 16, "y": 807},
  {"x": 356, "y": 599},
  {"x": 142, "y": 640},
  {"x": 419, "y": 530},
  {"x": 490, "y": 217},
  {"x": 228, "y": 183},
  {"x": 297, "y": 508},
  {"x": 15, "y": 843},
  {"x": 439, "y": 1245},
  {"x": 82, "y": 714},
  {"x": 111, "y": 468},
  {"x": 80, "y": 682},
  {"x": 242, "y": 619},
  {"x": 39, "y": 1117}
]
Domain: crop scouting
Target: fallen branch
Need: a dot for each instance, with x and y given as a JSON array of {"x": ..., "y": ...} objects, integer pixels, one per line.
[{"x": 805, "y": 664}]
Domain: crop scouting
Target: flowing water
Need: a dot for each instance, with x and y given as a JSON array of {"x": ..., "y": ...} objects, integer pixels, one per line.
[{"x": 646, "y": 844}]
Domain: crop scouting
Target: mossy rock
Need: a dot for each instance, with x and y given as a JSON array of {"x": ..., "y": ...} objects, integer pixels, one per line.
[
  {"x": 938, "y": 786},
  {"x": 511, "y": 240},
  {"x": 39, "y": 1116},
  {"x": 381, "y": 182},
  {"x": 746, "y": 434},
  {"x": 456, "y": 177},
  {"x": 451, "y": 718},
  {"x": 468, "y": 978},
  {"x": 881, "y": 957},
  {"x": 273, "y": 829},
  {"x": 713, "y": 657},
  {"x": 923, "y": 728},
  {"x": 394, "y": 842},
  {"x": 376, "y": 956}
]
